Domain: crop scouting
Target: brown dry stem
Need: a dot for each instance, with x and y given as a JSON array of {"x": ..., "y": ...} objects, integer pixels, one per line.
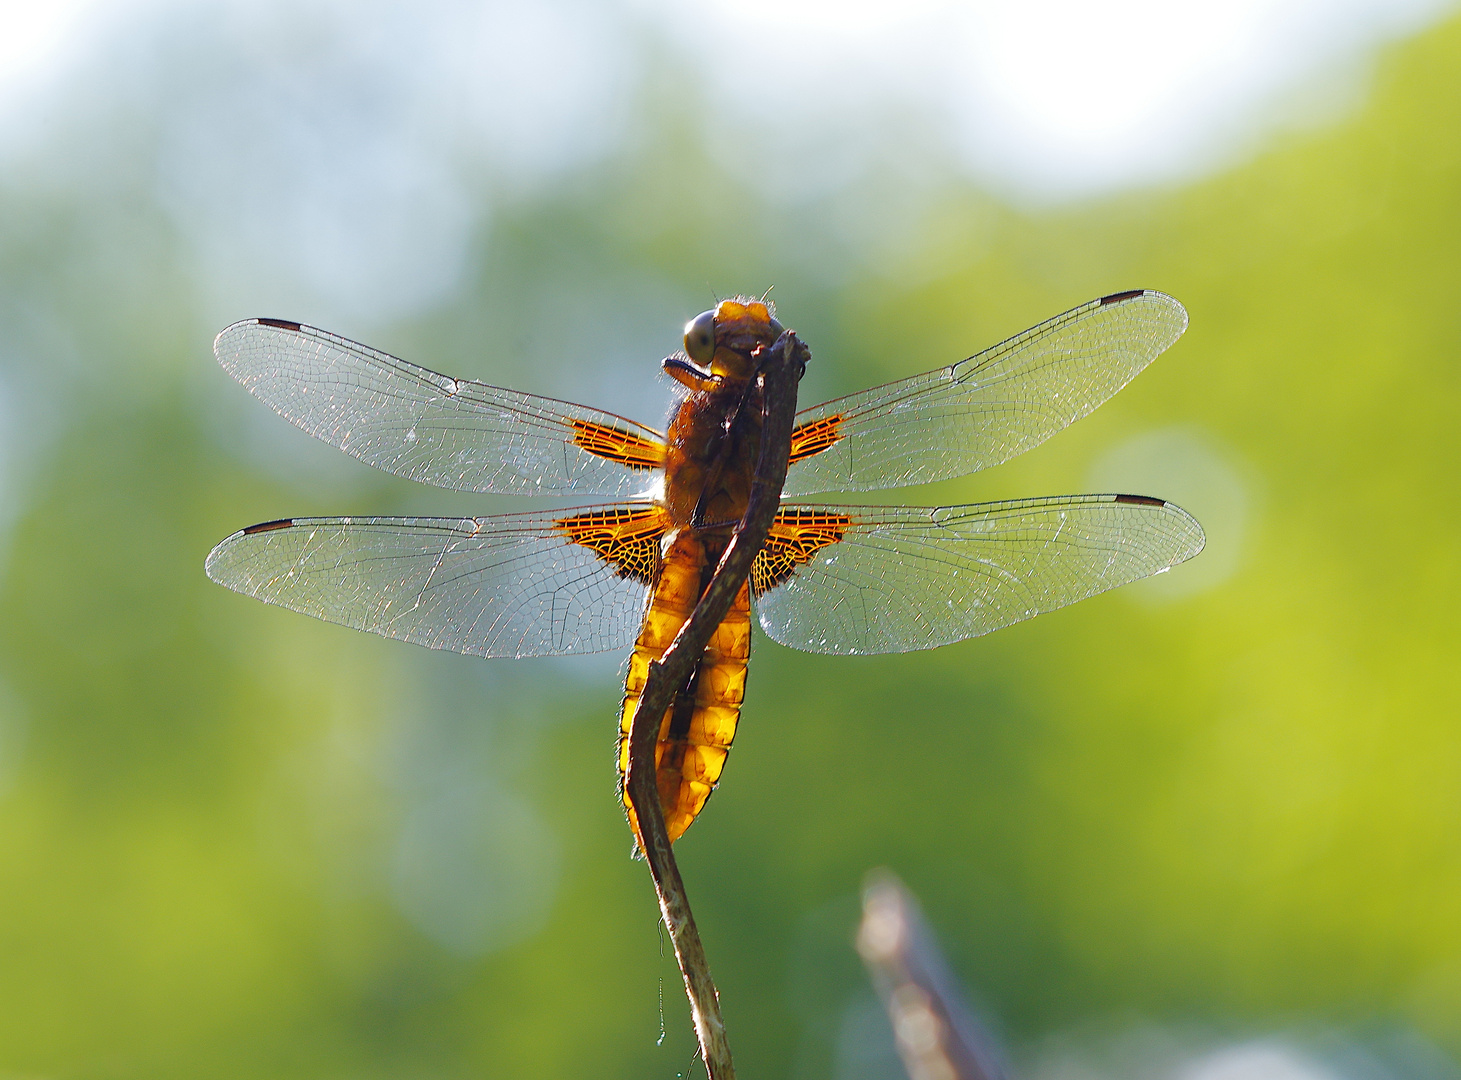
[
  {"x": 781, "y": 366},
  {"x": 938, "y": 1037}
]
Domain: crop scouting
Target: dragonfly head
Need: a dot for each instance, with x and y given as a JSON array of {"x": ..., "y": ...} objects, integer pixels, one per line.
[{"x": 724, "y": 338}]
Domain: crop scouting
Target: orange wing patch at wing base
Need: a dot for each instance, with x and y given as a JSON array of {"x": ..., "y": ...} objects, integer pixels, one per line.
[
  {"x": 797, "y": 534},
  {"x": 625, "y": 447},
  {"x": 815, "y": 436},
  {"x": 627, "y": 537}
]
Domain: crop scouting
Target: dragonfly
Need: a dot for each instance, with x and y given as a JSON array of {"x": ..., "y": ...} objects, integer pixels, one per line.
[{"x": 624, "y": 575}]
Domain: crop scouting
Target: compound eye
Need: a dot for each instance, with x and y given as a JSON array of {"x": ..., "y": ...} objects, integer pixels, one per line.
[{"x": 700, "y": 338}]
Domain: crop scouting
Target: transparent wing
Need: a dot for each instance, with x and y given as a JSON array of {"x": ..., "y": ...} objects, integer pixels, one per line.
[
  {"x": 986, "y": 409},
  {"x": 453, "y": 433},
  {"x": 866, "y": 579},
  {"x": 515, "y": 585}
]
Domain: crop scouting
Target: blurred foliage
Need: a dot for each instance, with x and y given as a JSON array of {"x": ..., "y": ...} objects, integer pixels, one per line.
[{"x": 235, "y": 842}]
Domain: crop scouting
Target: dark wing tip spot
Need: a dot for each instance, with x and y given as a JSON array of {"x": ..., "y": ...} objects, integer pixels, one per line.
[
  {"x": 1141, "y": 500},
  {"x": 284, "y": 324},
  {"x": 268, "y": 526},
  {"x": 1117, "y": 297}
]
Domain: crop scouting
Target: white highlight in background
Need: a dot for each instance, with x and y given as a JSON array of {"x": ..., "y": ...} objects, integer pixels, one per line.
[
  {"x": 1050, "y": 98},
  {"x": 342, "y": 159}
]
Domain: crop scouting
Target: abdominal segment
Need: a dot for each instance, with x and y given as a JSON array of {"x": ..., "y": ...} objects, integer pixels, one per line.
[{"x": 700, "y": 723}]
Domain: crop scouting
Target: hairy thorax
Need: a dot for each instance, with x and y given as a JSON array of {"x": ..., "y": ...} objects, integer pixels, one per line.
[{"x": 713, "y": 440}]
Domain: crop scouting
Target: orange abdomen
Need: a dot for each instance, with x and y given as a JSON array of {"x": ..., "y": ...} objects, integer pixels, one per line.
[{"x": 700, "y": 723}]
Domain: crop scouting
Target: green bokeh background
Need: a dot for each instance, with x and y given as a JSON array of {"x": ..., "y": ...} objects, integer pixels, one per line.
[{"x": 236, "y": 842}]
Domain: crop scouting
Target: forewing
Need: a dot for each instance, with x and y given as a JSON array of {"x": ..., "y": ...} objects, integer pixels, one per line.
[
  {"x": 986, "y": 409},
  {"x": 550, "y": 583},
  {"x": 453, "y": 433},
  {"x": 869, "y": 579}
]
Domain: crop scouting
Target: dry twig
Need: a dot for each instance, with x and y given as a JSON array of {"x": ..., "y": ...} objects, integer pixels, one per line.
[
  {"x": 938, "y": 1036},
  {"x": 781, "y": 366}
]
